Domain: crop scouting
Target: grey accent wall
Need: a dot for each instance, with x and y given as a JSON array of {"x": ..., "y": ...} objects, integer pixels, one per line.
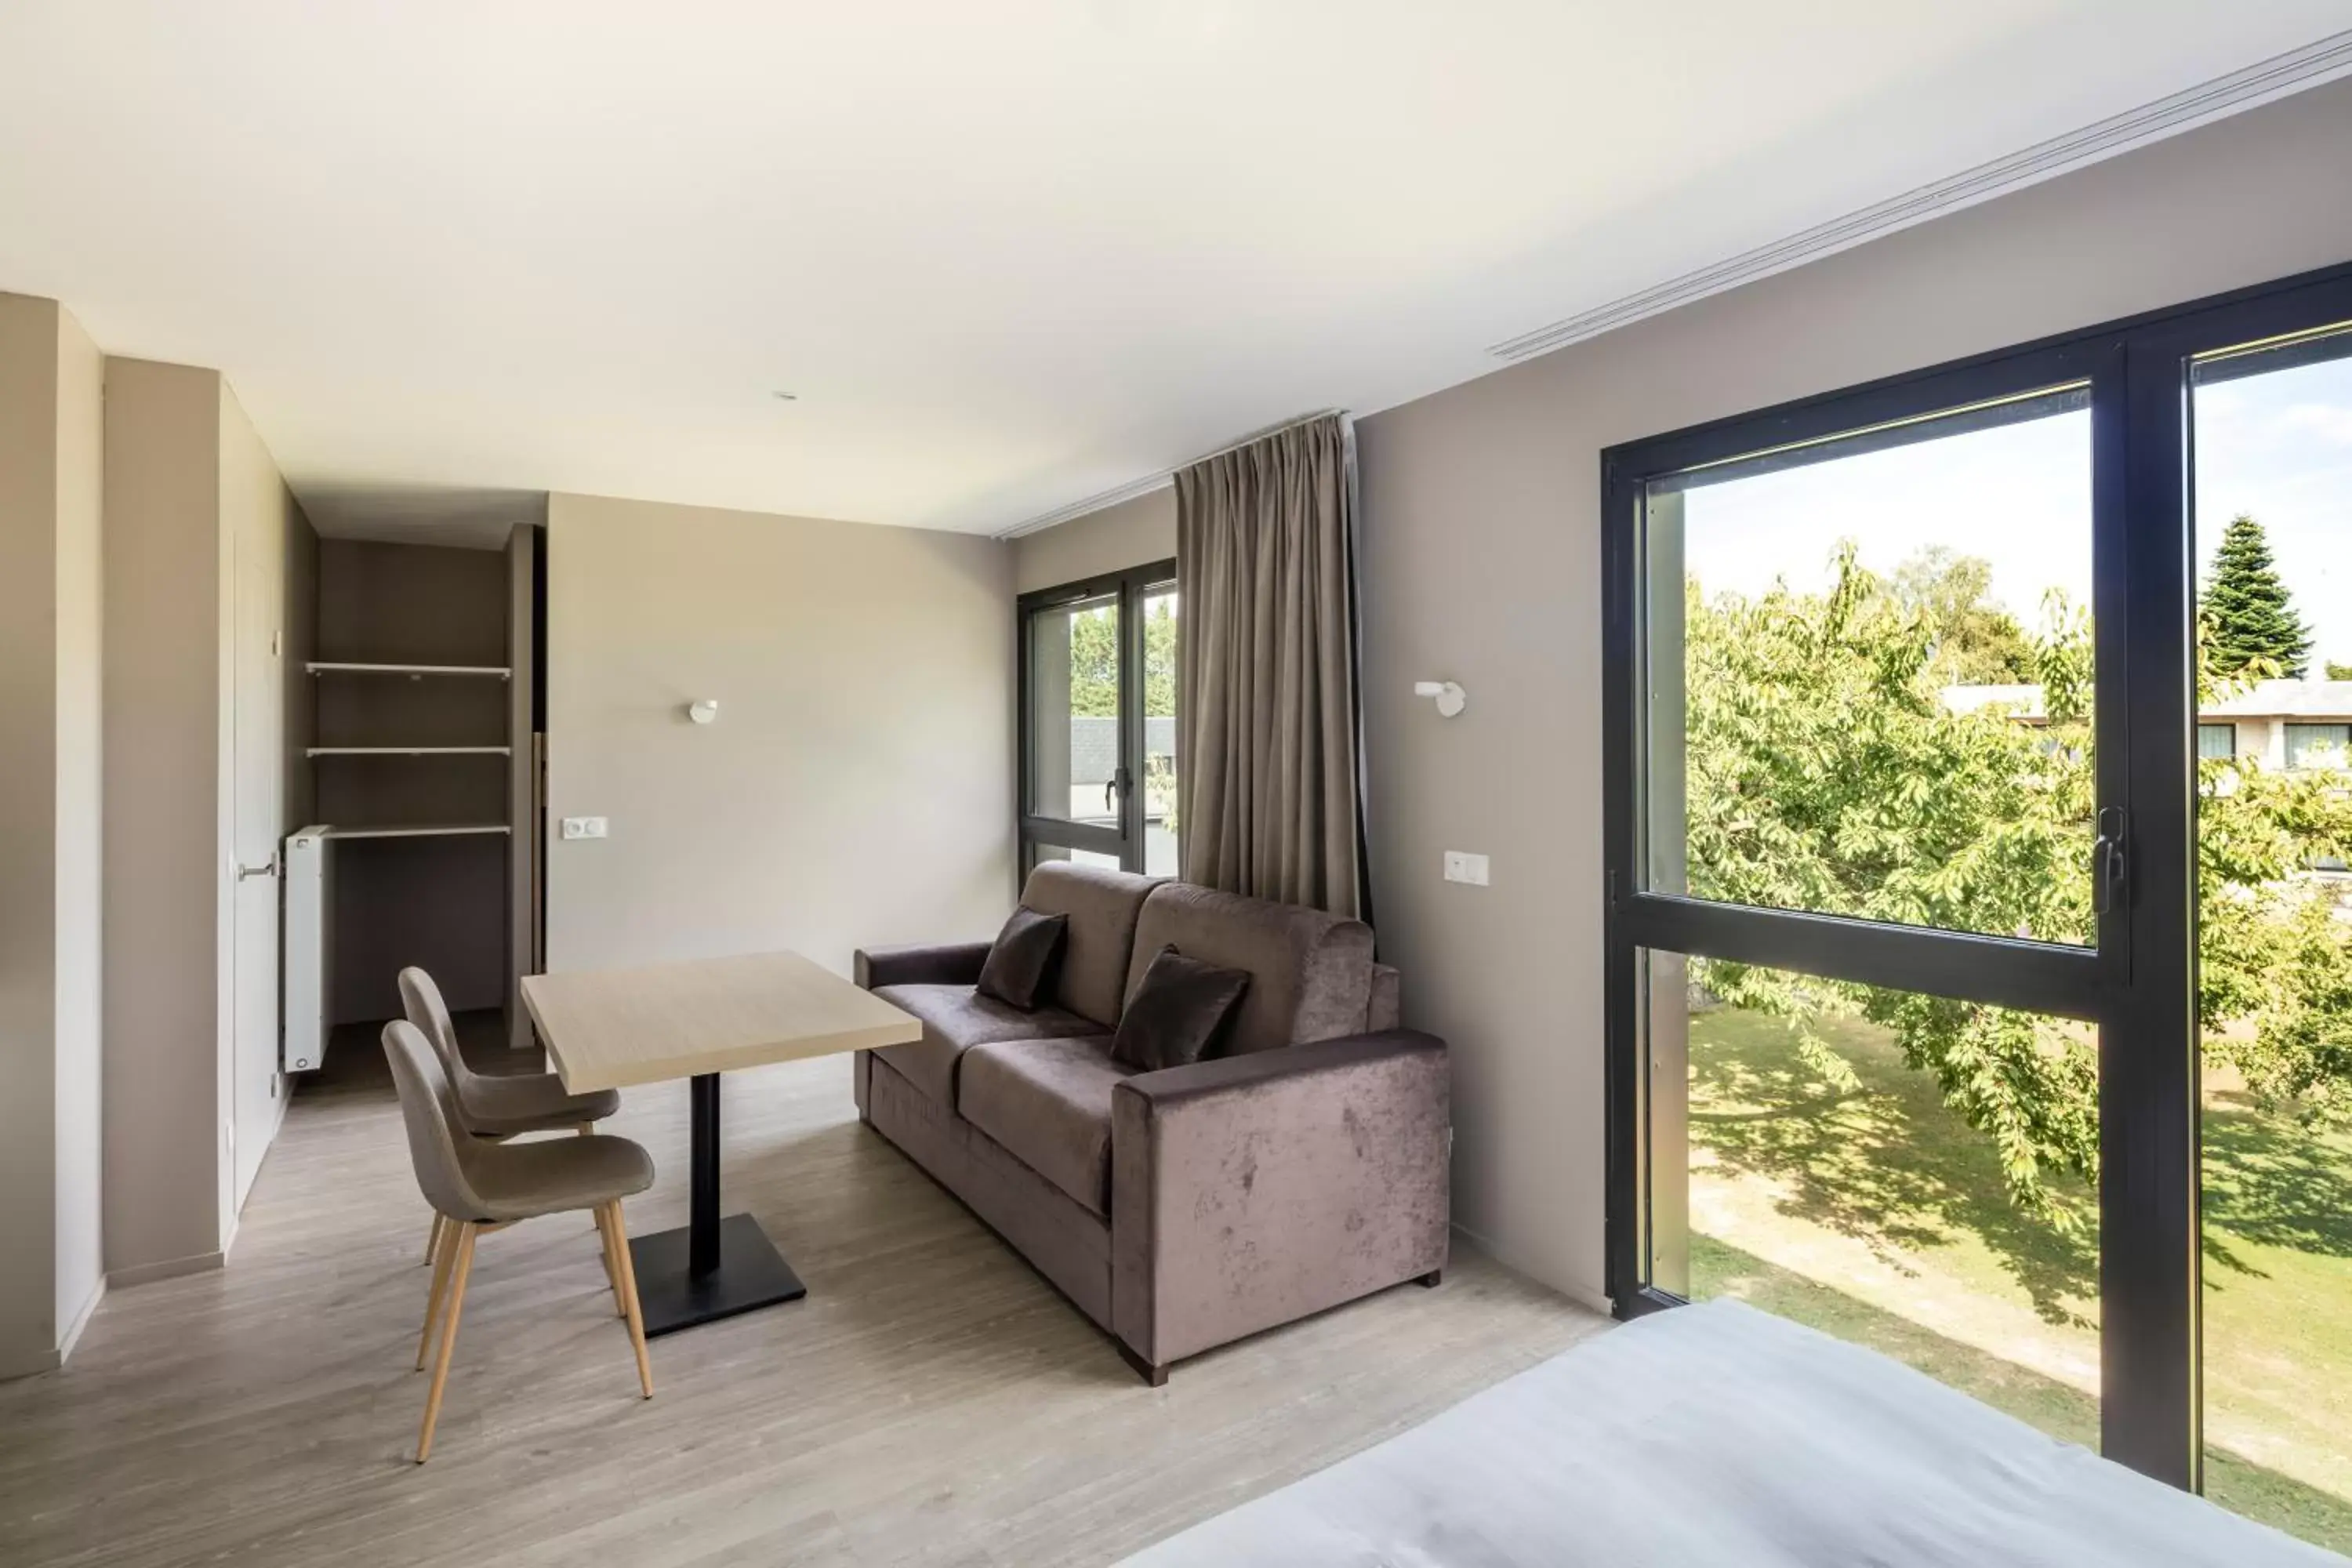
[
  {"x": 856, "y": 788},
  {"x": 50, "y": 667},
  {"x": 1482, "y": 548},
  {"x": 1133, "y": 533},
  {"x": 438, "y": 903}
]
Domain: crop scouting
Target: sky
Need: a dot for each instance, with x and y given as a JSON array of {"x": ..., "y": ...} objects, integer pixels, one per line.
[{"x": 2278, "y": 446}]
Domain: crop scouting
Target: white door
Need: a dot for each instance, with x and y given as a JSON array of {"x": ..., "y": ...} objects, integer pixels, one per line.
[{"x": 254, "y": 517}]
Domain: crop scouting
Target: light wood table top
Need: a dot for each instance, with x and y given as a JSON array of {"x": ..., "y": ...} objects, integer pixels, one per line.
[{"x": 610, "y": 1028}]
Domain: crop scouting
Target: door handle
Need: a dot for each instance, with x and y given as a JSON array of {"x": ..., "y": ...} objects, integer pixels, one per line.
[
  {"x": 267, "y": 868},
  {"x": 2107, "y": 862}
]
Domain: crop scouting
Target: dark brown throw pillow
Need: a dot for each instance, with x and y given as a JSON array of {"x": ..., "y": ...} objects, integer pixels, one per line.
[
  {"x": 1023, "y": 957},
  {"x": 1176, "y": 1012}
]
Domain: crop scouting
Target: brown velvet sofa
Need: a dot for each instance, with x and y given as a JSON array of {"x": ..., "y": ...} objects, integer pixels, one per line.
[{"x": 1182, "y": 1209}]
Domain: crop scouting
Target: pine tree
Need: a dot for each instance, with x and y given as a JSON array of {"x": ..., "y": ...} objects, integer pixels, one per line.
[{"x": 2246, "y": 606}]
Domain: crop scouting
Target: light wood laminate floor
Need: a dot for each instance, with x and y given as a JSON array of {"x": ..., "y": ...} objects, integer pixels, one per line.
[{"x": 932, "y": 1401}]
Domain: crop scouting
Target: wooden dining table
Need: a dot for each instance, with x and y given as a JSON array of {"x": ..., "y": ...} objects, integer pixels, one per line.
[{"x": 617, "y": 1028}]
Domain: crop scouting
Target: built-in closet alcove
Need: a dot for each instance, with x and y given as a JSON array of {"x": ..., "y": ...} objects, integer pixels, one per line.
[{"x": 424, "y": 751}]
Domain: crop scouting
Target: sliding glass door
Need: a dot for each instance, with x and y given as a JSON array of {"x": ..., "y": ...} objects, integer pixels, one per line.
[
  {"x": 1923, "y": 747},
  {"x": 1097, "y": 732}
]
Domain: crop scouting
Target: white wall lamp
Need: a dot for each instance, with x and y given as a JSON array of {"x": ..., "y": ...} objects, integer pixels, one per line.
[
  {"x": 1451, "y": 698},
  {"x": 703, "y": 710}
]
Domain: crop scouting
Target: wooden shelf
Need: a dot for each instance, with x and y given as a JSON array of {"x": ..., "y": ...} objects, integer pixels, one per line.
[
  {"x": 411, "y": 750},
  {"x": 432, "y": 830},
  {"x": 320, "y": 666}
]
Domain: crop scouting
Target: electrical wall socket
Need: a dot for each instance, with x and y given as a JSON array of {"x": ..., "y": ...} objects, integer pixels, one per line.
[
  {"x": 1462, "y": 866},
  {"x": 583, "y": 827}
]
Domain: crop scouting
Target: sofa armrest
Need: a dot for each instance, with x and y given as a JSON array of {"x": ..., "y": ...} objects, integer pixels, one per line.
[
  {"x": 949, "y": 963},
  {"x": 1253, "y": 1190}
]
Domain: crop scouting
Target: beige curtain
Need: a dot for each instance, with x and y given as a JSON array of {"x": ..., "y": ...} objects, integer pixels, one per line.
[{"x": 1268, "y": 759}]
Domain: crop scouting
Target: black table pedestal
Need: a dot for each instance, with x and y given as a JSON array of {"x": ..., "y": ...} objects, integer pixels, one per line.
[{"x": 713, "y": 1267}]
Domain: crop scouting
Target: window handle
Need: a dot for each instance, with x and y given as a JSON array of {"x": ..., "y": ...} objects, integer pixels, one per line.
[{"x": 2107, "y": 862}]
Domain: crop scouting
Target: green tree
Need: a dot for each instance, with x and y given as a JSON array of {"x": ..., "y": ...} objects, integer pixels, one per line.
[
  {"x": 2335, "y": 671},
  {"x": 1973, "y": 641},
  {"x": 2246, "y": 609},
  {"x": 1824, "y": 774},
  {"x": 1093, "y": 663},
  {"x": 1160, "y": 657}
]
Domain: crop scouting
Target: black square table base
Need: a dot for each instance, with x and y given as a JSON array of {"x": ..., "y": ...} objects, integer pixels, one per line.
[{"x": 750, "y": 1274}]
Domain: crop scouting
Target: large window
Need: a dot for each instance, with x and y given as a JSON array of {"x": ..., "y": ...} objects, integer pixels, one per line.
[
  {"x": 1968, "y": 997},
  {"x": 1098, "y": 722}
]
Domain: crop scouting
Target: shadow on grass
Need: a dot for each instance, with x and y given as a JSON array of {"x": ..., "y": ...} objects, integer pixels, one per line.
[
  {"x": 2272, "y": 1181},
  {"x": 1891, "y": 1165},
  {"x": 2057, "y": 1408},
  {"x": 1888, "y": 1163}
]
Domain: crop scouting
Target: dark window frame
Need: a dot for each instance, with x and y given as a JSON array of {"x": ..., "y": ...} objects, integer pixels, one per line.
[
  {"x": 2138, "y": 982},
  {"x": 1129, "y": 588}
]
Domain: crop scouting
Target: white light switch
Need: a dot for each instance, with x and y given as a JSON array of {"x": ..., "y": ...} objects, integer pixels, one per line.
[
  {"x": 583, "y": 827},
  {"x": 1465, "y": 867}
]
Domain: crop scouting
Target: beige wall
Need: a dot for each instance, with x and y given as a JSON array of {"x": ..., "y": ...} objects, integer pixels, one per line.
[
  {"x": 165, "y": 849},
  {"x": 857, "y": 787},
  {"x": 207, "y": 562},
  {"x": 1135, "y": 532},
  {"x": 50, "y": 682},
  {"x": 80, "y": 1085},
  {"x": 1480, "y": 556}
]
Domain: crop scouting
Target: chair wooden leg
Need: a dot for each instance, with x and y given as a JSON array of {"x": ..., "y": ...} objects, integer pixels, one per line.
[
  {"x": 604, "y": 1232},
  {"x": 465, "y": 1266},
  {"x": 445, "y": 1246},
  {"x": 629, "y": 1295},
  {"x": 433, "y": 1238}
]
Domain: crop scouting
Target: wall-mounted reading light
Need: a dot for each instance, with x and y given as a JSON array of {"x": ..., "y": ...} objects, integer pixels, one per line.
[
  {"x": 1451, "y": 698},
  {"x": 703, "y": 710}
]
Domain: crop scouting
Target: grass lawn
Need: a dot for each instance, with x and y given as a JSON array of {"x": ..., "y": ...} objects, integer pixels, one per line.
[{"x": 1880, "y": 1216}]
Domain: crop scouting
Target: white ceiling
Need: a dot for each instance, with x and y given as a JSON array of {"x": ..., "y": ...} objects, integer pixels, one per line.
[{"x": 1008, "y": 255}]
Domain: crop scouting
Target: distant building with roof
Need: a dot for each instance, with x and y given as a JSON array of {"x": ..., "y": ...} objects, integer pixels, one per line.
[{"x": 2278, "y": 723}]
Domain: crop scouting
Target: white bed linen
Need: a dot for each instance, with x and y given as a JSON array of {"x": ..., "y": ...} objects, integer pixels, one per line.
[{"x": 1721, "y": 1434}]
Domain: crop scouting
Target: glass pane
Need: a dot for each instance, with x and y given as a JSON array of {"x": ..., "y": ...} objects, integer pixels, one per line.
[
  {"x": 1160, "y": 813},
  {"x": 2317, "y": 745},
  {"x": 2273, "y": 521},
  {"x": 1910, "y": 1173},
  {"x": 2217, "y": 740},
  {"x": 1869, "y": 674},
  {"x": 1074, "y": 677}
]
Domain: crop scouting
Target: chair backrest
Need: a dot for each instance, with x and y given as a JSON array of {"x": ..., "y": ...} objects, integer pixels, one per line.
[
  {"x": 428, "y": 1107},
  {"x": 420, "y": 999}
]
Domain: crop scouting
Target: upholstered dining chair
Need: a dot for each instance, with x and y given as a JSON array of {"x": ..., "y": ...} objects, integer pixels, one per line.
[
  {"x": 477, "y": 1187},
  {"x": 495, "y": 1106}
]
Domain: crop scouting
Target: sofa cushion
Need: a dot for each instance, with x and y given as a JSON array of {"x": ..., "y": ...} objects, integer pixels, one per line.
[
  {"x": 1047, "y": 1104},
  {"x": 1174, "y": 1016},
  {"x": 1021, "y": 960},
  {"x": 1102, "y": 905},
  {"x": 955, "y": 1019},
  {"x": 1310, "y": 972}
]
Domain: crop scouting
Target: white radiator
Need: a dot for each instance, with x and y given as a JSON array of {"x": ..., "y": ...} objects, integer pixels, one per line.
[{"x": 308, "y": 892}]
